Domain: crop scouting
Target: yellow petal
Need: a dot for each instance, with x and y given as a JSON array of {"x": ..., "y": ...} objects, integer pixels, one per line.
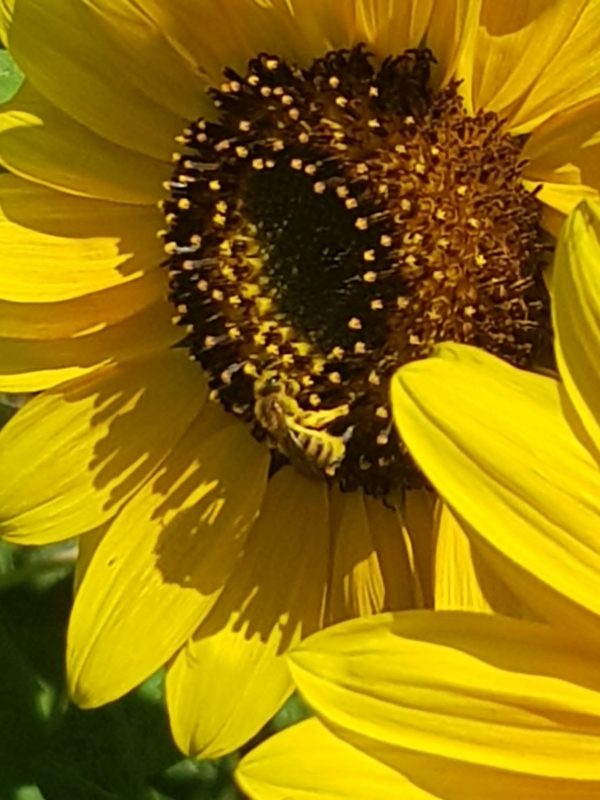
[
  {"x": 420, "y": 531},
  {"x": 165, "y": 558},
  {"x": 506, "y": 460},
  {"x": 563, "y": 157},
  {"x": 41, "y": 143},
  {"x": 229, "y": 34},
  {"x": 30, "y": 365},
  {"x": 389, "y": 28},
  {"x": 6, "y": 13},
  {"x": 87, "y": 544},
  {"x": 570, "y": 74},
  {"x": 519, "y": 45},
  {"x": 371, "y": 569},
  {"x": 558, "y": 200},
  {"x": 478, "y": 689},
  {"x": 231, "y": 678},
  {"x": 318, "y": 27},
  {"x": 79, "y": 316},
  {"x": 73, "y": 455},
  {"x": 576, "y": 314},
  {"x": 106, "y": 64},
  {"x": 451, "y": 36},
  {"x": 463, "y": 579},
  {"x": 308, "y": 761},
  {"x": 54, "y": 246}
]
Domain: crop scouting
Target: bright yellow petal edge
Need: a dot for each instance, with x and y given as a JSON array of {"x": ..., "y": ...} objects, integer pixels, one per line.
[
  {"x": 576, "y": 314},
  {"x": 446, "y": 705}
]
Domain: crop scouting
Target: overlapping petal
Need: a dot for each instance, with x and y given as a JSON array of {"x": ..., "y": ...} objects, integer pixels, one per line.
[
  {"x": 476, "y": 688},
  {"x": 572, "y": 75},
  {"x": 56, "y": 246},
  {"x": 451, "y": 35},
  {"x": 105, "y": 64},
  {"x": 392, "y": 27},
  {"x": 101, "y": 441},
  {"x": 506, "y": 460},
  {"x": 231, "y": 677},
  {"x": 463, "y": 579},
  {"x": 457, "y": 705},
  {"x": 307, "y": 760},
  {"x": 576, "y": 315},
  {"x": 41, "y": 143},
  {"x": 30, "y": 365},
  {"x": 563, "y": 166},
  {"x": 212, "y": 36},
  {"x": 165, "y": 559},
  {"x": 533, "y": 59},
  {"x": 371, "y": 565}
]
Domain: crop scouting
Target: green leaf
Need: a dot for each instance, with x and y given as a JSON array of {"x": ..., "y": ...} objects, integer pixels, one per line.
[
  {"x": 6, "y": 558},
  {"x": 11, "y": 77},
  {"x": 26, "y": 702},
  {"x": 36, "y": 619},
  {"x": 109, "y": 753}
]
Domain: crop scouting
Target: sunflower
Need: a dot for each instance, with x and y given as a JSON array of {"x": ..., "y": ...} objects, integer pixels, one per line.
[
  {"x": 352, "y": 183},
  {"x": 437, "y": 705}
]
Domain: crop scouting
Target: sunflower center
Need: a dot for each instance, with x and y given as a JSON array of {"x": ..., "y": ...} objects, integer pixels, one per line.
[{"x": 332, "y": 224}]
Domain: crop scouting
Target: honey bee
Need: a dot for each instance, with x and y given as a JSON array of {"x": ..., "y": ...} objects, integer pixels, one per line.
[{"x": 298, "y": 434}]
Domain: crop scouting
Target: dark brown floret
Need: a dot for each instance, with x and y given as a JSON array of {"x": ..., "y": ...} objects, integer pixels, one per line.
[{"x": 334, "y": 223}]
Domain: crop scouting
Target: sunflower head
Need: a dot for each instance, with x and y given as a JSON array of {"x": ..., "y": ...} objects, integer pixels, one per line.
[{"x": 331, "y": 223}]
